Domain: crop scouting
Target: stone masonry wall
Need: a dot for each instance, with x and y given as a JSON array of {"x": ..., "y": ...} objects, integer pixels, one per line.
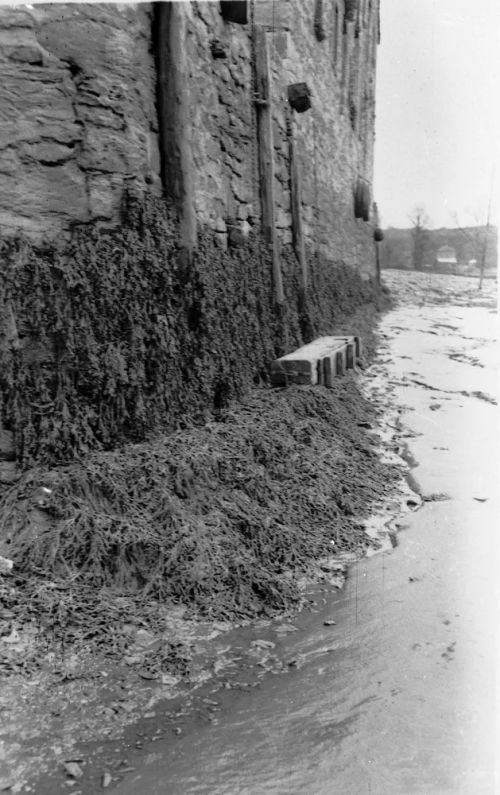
[
  {"x": 78, "y": 116},
  {"x": 334, "y": 139},
  {"x": 223, "y": 119},
  {"x": 77, "y": 113}
]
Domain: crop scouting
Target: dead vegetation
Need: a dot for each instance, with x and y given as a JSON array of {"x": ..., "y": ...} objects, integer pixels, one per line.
[{"x": 223, "y": 517}]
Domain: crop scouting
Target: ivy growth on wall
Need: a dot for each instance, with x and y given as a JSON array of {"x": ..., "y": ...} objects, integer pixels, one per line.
[{"x": 111, "y": 337}]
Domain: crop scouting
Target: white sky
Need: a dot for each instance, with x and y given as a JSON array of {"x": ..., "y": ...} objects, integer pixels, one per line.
[{"x": 437, "y": 127}]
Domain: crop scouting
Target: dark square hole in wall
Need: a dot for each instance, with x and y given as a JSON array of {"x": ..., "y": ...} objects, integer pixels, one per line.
[
  {"x": 234, "y": 11},
  {"x": 299, "y": 97},
  {"x": 217, "y": 49}
]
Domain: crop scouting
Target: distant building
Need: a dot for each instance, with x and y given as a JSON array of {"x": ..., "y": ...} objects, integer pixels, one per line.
[{"x": 445, "y": 260}]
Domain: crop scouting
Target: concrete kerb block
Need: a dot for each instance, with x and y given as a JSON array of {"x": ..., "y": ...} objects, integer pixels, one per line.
[
  {"x": 319, "y": 362},
  {"x": 354, "y": 351},
  {"x": 340, "y": 361},
  {"x": 350, "y": 355},
  {"x": 319, "y": 372},
  {"x": 328, "y": 371},
  {"x": 279, "y": 376}
]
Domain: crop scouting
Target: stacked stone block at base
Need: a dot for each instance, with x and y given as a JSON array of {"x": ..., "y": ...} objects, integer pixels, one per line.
[{"x": 317, "y": 363}]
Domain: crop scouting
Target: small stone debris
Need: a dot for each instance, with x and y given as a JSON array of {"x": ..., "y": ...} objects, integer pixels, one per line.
[
  {"x": 169, "y": 679},
  {"x": 329, "y": 622},
  {"x": 73, "y": 769},
  {"x": 133, "y": 659},
  {"x": 262, "y": 644},
  {"x": 13, "y": 637},
  {"x": 144, "y": 638},
  {"x": 144, "y": 674},
  {"x": 210, "y": 702},
  {"x": 6, "y": 565},
  {"x": 284, "y": 629},
  {"x": 106, "y": 780}
]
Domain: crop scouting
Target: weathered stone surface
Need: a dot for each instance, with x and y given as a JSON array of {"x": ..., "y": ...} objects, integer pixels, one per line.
[
  {"x": 33, "y": 194},
  {"x": 77, "y": 102},
  {"x": 46, "y": 152},
  {"x": 78, "y": 116},
  {"x": 103, "y": 150},
  {"x": 104, "y": 192},
  {"x": 14, "y": 17},
  {"x": 91, "y": 112}
]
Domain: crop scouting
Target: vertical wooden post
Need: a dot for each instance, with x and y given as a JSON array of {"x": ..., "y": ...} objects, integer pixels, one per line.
[
  {"x": 377, "y": 263},
  {"x": 377, "y": 246},
  {"x": 266, "y": 153},
  {"x": 347, "y": 58},
  {"x": 296, "y": 203},
  {"x": 177, "y": 168}
]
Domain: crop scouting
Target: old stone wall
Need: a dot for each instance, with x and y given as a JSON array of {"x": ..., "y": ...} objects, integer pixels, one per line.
[
  {"x": 77, "y": 113},
  {"x": 334, "y": 139},
  {"x": 78, "y": 116},
  {"x": 100, "y": 102},
  {"x": 223, "y": 118},
  {"x": 334, "y": 53}
]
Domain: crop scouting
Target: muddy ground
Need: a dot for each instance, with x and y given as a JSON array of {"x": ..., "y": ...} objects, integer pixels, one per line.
[
  {"x": 87, "y": 681},
  {"x": 389, "y": 684}
]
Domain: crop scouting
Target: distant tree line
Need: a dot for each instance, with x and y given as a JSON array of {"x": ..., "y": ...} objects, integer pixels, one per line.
[{"x": 417, "y": 247}]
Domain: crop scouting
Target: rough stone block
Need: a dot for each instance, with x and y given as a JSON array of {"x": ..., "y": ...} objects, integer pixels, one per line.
[
  {"x": 46, "y": 152},
  {"x": 104, "y": 195},
  {"x": 103, "y": 150},
  {"x": 41, "y": 192}
]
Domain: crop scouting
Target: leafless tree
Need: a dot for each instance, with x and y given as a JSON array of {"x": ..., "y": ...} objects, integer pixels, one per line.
[
  {"x": 480, "y": 234},
  {"x": 477, "y": 238},
  {"x": 419, "y": 230}
]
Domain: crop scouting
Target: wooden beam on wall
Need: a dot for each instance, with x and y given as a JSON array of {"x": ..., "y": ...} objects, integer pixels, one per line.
[
  {"x": 177, "y": 168},
  {"x": 296, "y": 203},
  {"x": 266, "y": 153},
  {"x": 348, "y": 44}
]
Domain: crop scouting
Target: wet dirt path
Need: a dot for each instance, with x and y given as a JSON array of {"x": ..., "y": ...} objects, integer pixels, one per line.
[{"x": 390, "y": 686}]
